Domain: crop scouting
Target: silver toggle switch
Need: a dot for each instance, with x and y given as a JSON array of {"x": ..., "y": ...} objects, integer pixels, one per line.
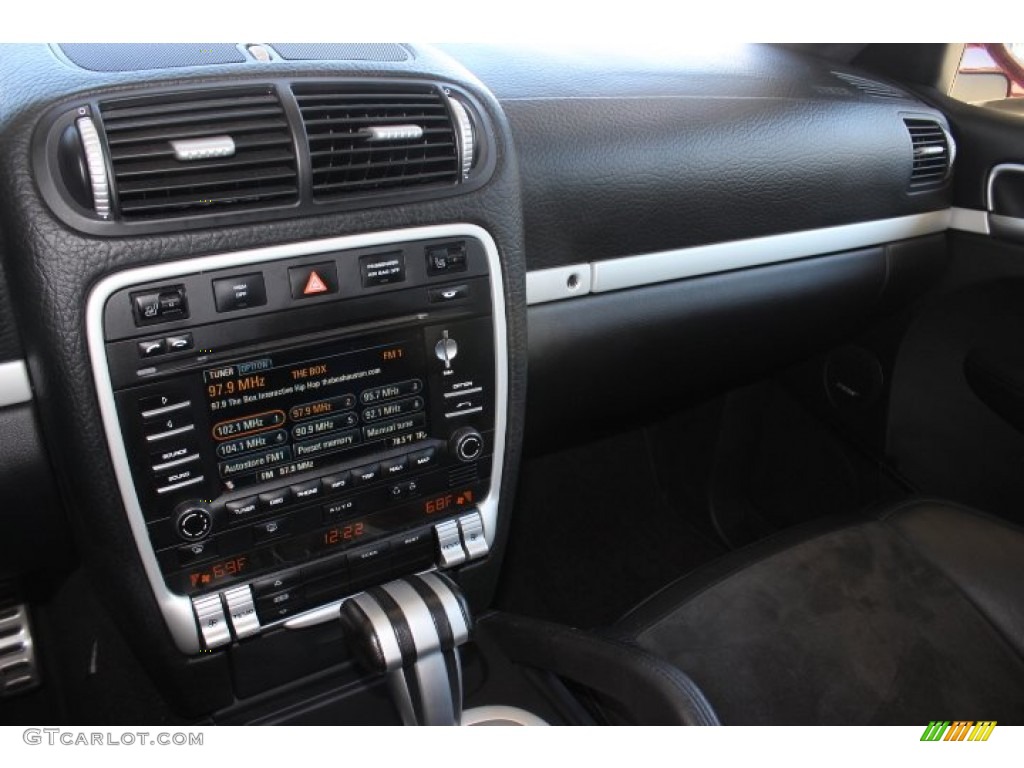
[
  {"x": 471, "y": 527},
  {"x": 449, "y": 544},
  {"x": 242, "y": 611},
  {"x": 446, "y": 350},
  {"x": 212, "y": 621}
]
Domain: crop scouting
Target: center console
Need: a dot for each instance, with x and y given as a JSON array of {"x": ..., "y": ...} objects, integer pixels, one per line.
[{"x": 292, "y": 425}]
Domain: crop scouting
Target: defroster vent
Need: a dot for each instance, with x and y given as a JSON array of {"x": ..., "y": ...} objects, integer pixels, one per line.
[
  {"x": 933, "y": 150},
  {"x": 196, "y": 152},
  {"x": 378, "y": 139}
]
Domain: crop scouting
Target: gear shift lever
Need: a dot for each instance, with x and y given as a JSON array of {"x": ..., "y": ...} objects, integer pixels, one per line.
[{"x": 410, "y": 630}]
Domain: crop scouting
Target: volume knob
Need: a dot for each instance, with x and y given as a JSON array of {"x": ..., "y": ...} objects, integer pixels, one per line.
[
  {"x": 194, "y": 522},
  {"x": 467, "y": 444}
]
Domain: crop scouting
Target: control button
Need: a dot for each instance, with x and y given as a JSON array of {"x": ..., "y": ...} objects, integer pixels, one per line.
[
  {"x": 385, "y": 428},
  {"x": 257, "y": 422},
  {"x": 449, "y": 544},
  {"x": 177, "y": 475},
  {"x": 270, "y": 529},
  {"x": 167, "y": 422},
  {"x": 422, "y": 459},
  {"x": 172, "y": 304},
  {"x": 392, "y": 409},
  {"x": 147, "y": 307},
  {"x": 471, "y": 527},
  {"x": 263, "y": 440},
  {"x": 445, "y": 259},
  {"x": 382, "y": 269},
  {"x": 413, "y": 549},
  {"x": 339, "y": 509},
  {"x": 253, "y": 461},
  {"x": 241, "y": 508},
  {"x": 279, "y": 605},
  {"x": 339, "y": 481},
  {"x": 276, "y": 499},
  {"x": 446, "y": 350},
  {"x": 365, "y": 474},
  {"x": 313, "y": 280},
  {"x": 372, "y": 558},
  {"x": 194, "y": 523},
  {"x": 391, "y": 391},
  {"x": 212, "y": 622},
  {"x": 277, "y": 582},
  {"x": 242, "y": 611},
  {"x": 403, "y": 490},
  {"x": 463, "y": 405},
  {"x": 233, "y": 293},
  {"x": 154, "y": 407},
  {"x": 306, "y": 491},
  {"x": 175, "y": 457},
  {"x": 152, "y": 347},
  {"x": 448, "y": 293},
  {"x": 467, "y": 444},
  {"x": 393, "y": 467},
  {"x": 179, "y": 342},
  {"x": 201, "y": 550}
]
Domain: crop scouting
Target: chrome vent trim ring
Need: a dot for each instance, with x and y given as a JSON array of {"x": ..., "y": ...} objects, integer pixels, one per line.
[{"x": 96, "y": 163}]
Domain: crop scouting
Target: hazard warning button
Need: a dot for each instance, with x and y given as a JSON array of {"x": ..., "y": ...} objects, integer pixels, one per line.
[{"x": 313, "y": 280}]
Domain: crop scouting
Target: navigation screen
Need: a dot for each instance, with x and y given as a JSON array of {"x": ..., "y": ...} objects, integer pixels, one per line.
[{"x": 291, "y": 412}]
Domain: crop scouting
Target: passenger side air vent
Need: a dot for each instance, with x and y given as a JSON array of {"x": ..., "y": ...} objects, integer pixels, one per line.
[
  {"x": 199, "y": 152},
  {"x": 934, "y": 151},
  {"x": 376, "y": 139},
  {"x": 871, "y": 87}
]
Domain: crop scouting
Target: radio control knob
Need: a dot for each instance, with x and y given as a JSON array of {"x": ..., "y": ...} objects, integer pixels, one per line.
[
  {"x": 194, "y": 522},
  {"x": 467, "y": 444}
]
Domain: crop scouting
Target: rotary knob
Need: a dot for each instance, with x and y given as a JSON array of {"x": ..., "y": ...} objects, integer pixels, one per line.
[
  {"x": 446, "y": 349},
  {"x": 194, "y": 522},
  {"x": 467, "y": 444}
]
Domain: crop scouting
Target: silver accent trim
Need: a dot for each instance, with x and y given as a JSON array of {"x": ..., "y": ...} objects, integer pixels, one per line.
[
  {"x": 177, "y": 609},
  {"x": 242, "y": 611},
  {"x": 393, "y": 132},
  {"x": 452, "y": 607},
  {"x": 18, "y": 671},
  {"x": 209, "y": 616},
  {"x": 466, "y": 412},
  {"x": 170, "y": 433},
  {"x": 998, "y": 170},
  {"x": 187, "y": 150},
  {"x": 559, "y": 283},
  {"x": 467, "y": 139},
  {"x": 951, "y": 143},
  {"x": 461, "y": 392},
  {"x": 176, "y": 462},
  {"x": 926, "y": 151},
  {"x": 14, "y": 384},
  {"x": 166, "y": 409},
  {"x": 500, "y": 715},
  {"x": 96, "y": 163},
  {"x": 383, "y": 628},
  {"x": 183, "y": 484},
  {"x": 969, "y": 220}
]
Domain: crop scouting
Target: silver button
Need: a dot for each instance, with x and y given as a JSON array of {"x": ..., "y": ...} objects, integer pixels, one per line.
[
  {"x": 450, "y": 551},
  {"x": 212, "y": 621},
  {"x": 242, "y": 611},
  {"x": 473, "y": 540}
]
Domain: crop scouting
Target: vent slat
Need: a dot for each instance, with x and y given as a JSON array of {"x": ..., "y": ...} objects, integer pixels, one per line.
[
  {"x": 346, "y": 163},
  {"x": 873, "y": 88},
  {"x": 150, "y": 182},
  {"x": 930, "y": 171}
]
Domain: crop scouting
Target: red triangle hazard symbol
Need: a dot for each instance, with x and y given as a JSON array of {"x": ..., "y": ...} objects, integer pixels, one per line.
[{"x": 315, "y": 284}]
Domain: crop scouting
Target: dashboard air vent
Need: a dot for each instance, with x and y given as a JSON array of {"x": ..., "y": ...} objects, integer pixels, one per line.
[
  {"x": 871, "y": 87},
  {"x": 198, "y": 152},
  {"x": 380, "y": 139},
  {"x": 933, "y": 153}
]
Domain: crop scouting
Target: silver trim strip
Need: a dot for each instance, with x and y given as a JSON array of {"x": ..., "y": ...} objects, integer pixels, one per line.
[
  {"x": 969, "y": 220},
  {"x": 166, "y": 409},
  {"x": 177, "y": 609},
  {"x": 470, "y": 391},
  {"x": 500, "y": 715},
  {"x": 545, "y": 285},
  {"x": 466, "y": 412},
  {"x": 175, "y": 463},
  {"x": 176, "y": 486},
  {"x": 14, "y": 384},
  {"x": 634, "y": 271},
  {"x": 170, "y": 433}
]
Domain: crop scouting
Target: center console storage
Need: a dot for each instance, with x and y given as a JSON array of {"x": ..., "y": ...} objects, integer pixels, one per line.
[{"x": 292, "y": 425}]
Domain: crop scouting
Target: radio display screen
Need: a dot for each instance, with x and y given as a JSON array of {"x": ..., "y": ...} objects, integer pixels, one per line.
[{"x": 298, "y": 410}]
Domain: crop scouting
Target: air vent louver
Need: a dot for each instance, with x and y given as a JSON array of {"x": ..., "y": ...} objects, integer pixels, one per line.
[
  {"x": 377, "y": 139},
  {"x": 871, "y": 87},
  {"x": 933, "y": 154},
  {"x": 244, "y": 159}
]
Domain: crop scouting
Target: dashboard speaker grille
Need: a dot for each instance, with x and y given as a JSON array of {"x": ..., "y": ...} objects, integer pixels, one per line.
[
  {"x": 135, "y": 57},
  {"x": 933, "y": 154},
  {"x": 377, "y": 139},
  {"x": 198, "y": 152},
  {"x": 341, "y": 51}
]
